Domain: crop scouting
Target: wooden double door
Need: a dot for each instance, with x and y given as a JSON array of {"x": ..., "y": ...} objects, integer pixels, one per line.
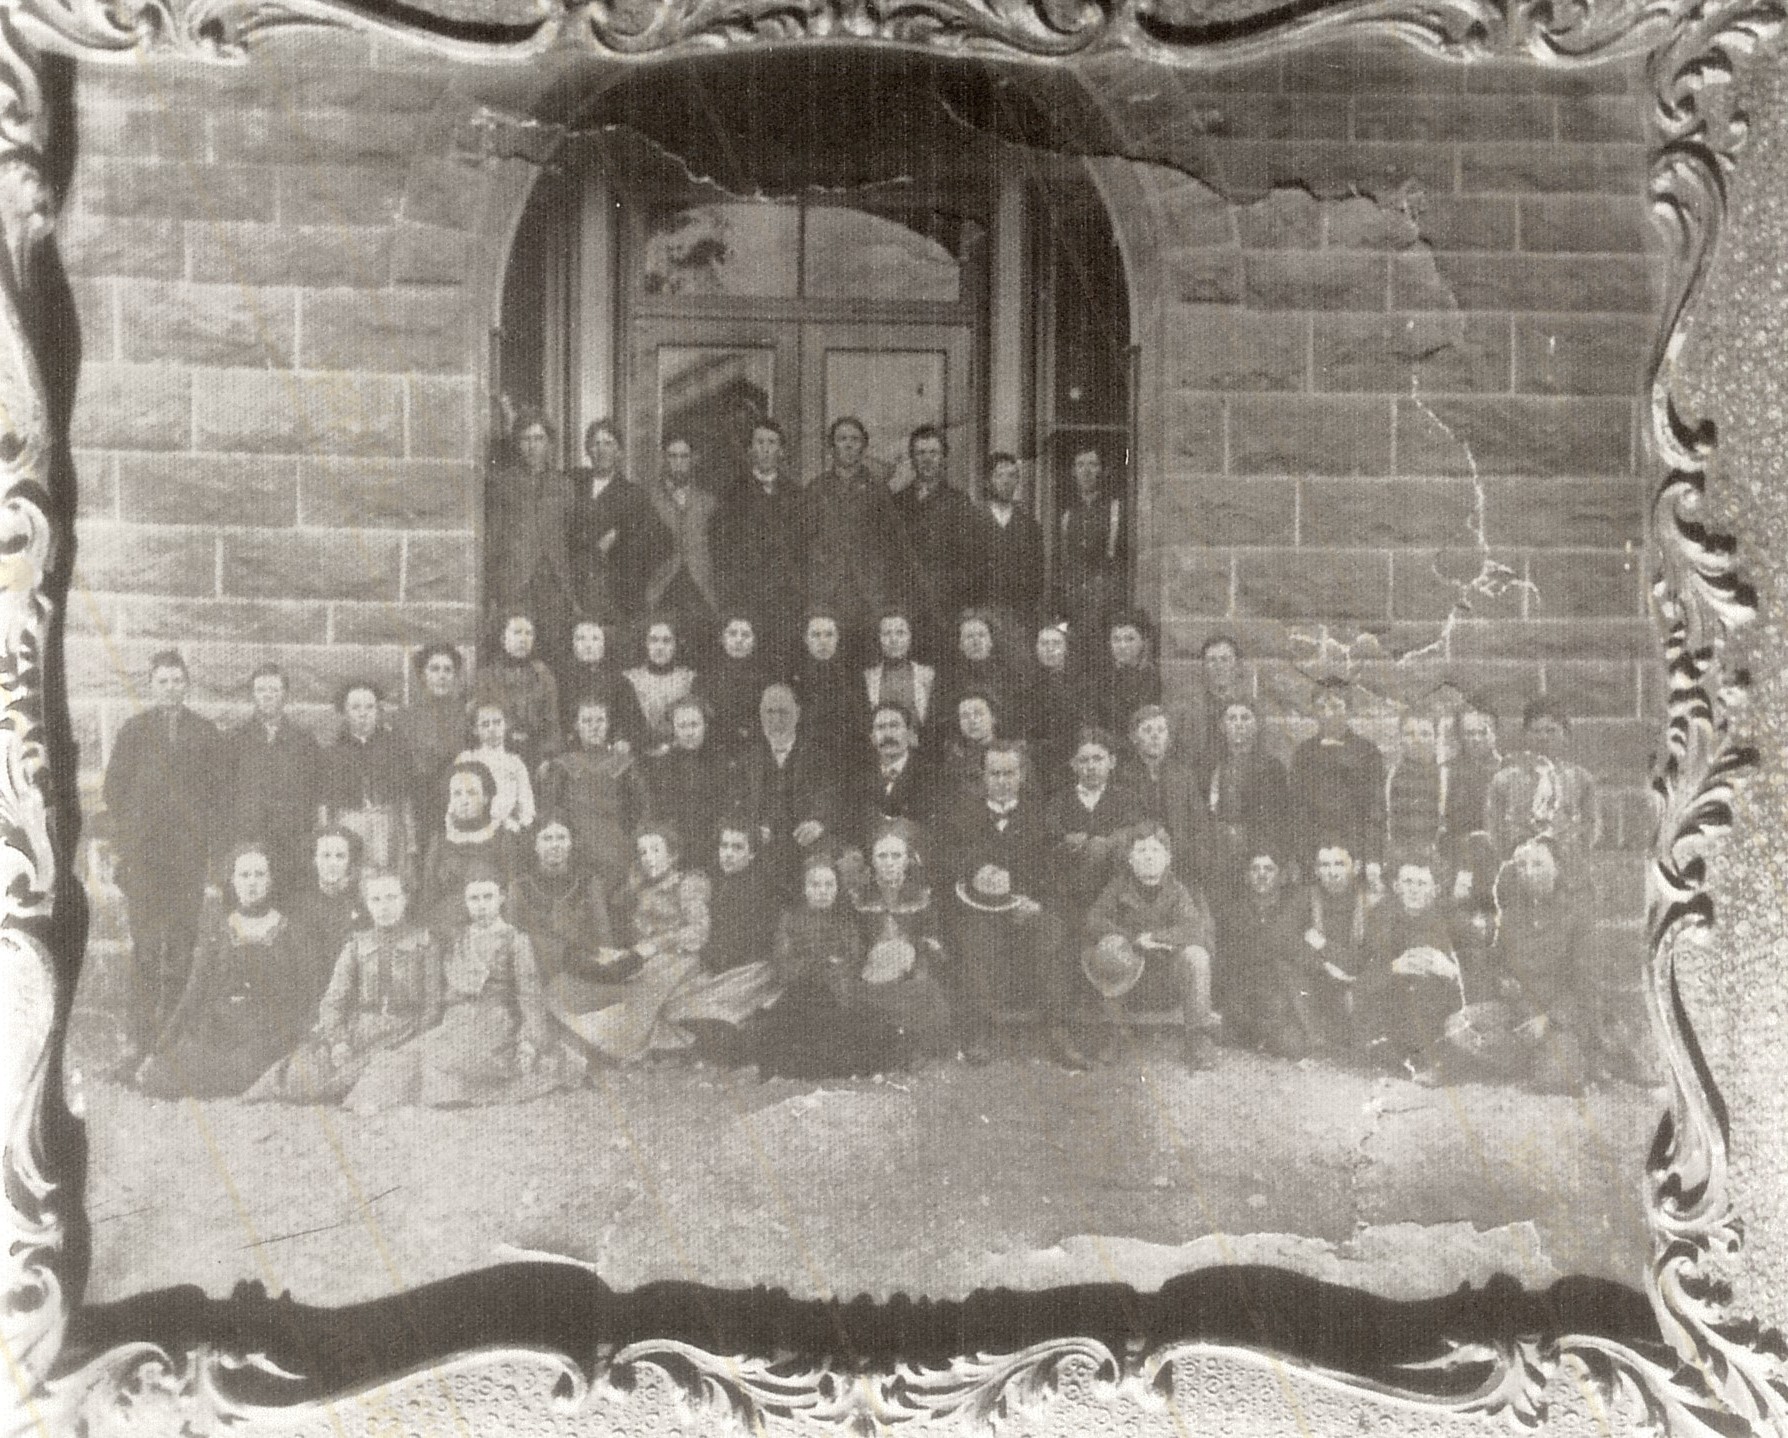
[{"x": 711, "y": 379}]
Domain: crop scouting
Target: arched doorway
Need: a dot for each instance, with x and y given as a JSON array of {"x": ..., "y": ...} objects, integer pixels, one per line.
[{"x": 869, "y": 233}]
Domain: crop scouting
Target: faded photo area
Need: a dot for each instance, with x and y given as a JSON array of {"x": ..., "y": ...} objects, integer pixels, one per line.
[{"x": 866, "y": 674}]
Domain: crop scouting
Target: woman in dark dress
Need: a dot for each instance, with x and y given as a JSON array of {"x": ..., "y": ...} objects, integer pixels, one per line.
[
  {"x": 978, "y": 666},
  {"x": 1124, "y": 676},
  {"x": 528, "y": 516},
  {"x": 248, "y": 1000},
  {"x": 432, "y": 726},
  {"x": 1053, "y": 705},
  {"x": 469, "y": 838},
  {"x": 593, "y": 674},
  {"x": 732, "y": 685},
  {"x": 897, "y": 923},
  {"x": 686, "y": 784}
]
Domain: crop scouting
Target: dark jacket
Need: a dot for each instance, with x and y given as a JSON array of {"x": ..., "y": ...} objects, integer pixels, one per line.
[
  {"x": 273, "y": 787},
  {"x": 970, "y": 834},
  {"x": 1339, "y": 789},
  {"x": 760, "y": 554},
  {"x": 161, "y": 794},
  {"x": 743, "y": 909},
  {"x": 1009, "y": 574},
  {"x": 613, "y": 583}
]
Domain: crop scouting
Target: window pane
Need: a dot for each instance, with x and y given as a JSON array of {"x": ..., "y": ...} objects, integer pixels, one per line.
[
  {"x": 892, "y": 391},
  {"x": 721, "y": 249},
  {"x": 853, "y": 254},
  {"x": 711, "y": 396}
]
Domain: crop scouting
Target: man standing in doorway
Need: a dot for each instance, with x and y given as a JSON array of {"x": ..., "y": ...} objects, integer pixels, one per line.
[
  {"x": 1009, "y": 541},
  {"x": 614, "y": 532},
  {"x": 1093, "y": 548},
  {"x": 760, "y": 556},
  {"x": 940, "y": 524},
  {"x": 683, "y": 581}
]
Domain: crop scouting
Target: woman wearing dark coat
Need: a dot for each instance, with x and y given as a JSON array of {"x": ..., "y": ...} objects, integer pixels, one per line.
[{"x": 248, "y": 1000}]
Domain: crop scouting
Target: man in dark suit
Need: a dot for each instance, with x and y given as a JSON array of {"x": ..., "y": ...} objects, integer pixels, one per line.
[
  {"x": 940, "y": 525},
  {"x": 757, "y": 540},
  {"x": 782, "y": 788},
  {"x": 899, "y": 785},
  {"x": 616, "y": 536},
  {"x": 1009, "y": 574},
  {"x": 1092, "y": 548},
  {"x": 274, "y": 782},
  {"x": 161, "y": 794},
  {"x": 994, "y": 847}
]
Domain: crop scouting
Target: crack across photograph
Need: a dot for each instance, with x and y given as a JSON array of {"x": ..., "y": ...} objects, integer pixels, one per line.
[{"x": 1083, "y": 675}]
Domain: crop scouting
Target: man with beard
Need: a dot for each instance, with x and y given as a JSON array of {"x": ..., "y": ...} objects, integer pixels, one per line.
[{"x": 783, "y": 788}]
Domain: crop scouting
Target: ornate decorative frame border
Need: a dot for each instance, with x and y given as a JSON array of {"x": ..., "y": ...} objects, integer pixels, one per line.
[{"x": 1719, "y": 1373}]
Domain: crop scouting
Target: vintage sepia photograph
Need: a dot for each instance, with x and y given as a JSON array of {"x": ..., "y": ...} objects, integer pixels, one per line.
[
  {"x": 879, "y": 657},
  {"x": 914, "y": 706}
]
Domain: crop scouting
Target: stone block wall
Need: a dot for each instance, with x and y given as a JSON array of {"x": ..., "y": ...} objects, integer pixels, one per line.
[{"x": 1394, "y": 316}]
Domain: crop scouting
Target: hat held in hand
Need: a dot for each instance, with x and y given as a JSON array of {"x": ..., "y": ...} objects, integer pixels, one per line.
[
  {"x": 990, "y": 891},
  {"x": 890, "y": 958},
  {"x": 1112, "y": 966}
]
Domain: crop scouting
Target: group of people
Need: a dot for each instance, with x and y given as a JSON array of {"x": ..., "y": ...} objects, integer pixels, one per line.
[
  {"x": 854, "y": 539},
  {"x": 836, "y": 854}
]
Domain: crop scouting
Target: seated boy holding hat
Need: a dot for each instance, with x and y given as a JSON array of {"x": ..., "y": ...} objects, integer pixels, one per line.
[{"x": 1146, "y": 914}]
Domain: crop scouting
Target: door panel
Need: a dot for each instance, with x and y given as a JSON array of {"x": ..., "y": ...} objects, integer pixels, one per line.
[
  {"x": 894, "y": 378},
  {"x": 709, "y": 381}
]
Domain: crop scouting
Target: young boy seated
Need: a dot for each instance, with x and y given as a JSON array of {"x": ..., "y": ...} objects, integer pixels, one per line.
[
  {"x": 1410, "y": 986},
  {"x": 1146, "y": 914}
]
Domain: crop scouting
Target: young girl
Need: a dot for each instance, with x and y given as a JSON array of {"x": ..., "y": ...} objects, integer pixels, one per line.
[
  {"x": 525, "y": 690},
  {"x": 496, "y": 1042},
  {"x": 591, "y": 674},
  {"x": 250, "y": 994},
  {"x": 808, "y": 1032},
  {"x": 512, "y": 800},
  {"x": 597, "y": 789},
  {"x": 666, "y": 912},
  {"x": 385, "y": 990},
  {"x": 660, "y": 681},
  {"x": 471, "y": 838},
  {"x": 733, "y": 685},
  {"x": 898, "y": 927},
  {"x": 329, "y": 910}
]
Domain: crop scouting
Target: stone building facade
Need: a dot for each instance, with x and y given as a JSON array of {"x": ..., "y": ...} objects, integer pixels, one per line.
[{"x": 1390, "y": 316}]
